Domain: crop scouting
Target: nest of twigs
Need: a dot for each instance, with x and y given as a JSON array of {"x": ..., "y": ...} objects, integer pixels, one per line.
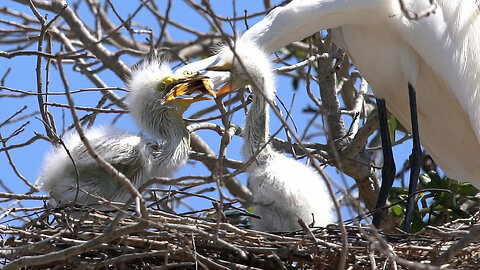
[{"x": 69, "y": 237}]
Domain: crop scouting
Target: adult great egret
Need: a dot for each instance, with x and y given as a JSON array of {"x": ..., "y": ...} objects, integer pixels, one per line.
[
  {"x": 158, "y": 99},
  {"x": 283, "y": 189},
  {"x": 435, "y": 56}
]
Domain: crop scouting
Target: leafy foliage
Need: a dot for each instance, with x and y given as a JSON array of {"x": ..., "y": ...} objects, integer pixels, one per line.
[{"x": 438, "y": 200}]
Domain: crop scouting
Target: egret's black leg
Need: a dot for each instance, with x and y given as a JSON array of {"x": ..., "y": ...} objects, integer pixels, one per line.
[
  {"x": 388, "y": 170},
  {"x": 415, "y": 159}
]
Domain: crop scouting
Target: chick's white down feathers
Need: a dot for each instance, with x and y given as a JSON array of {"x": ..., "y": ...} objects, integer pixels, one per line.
[
  {"x": 146, "y": 103},
  {"x": 128, "y": 152},
  {"x": 284, "y": 189},
  {"x": 161, "y": 120},
  {"x": 143, "y": 84}
]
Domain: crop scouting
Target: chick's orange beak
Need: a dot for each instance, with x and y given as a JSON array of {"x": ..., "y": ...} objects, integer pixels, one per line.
[
  {"x": 191, "y": 89},
  {"x": 231, "y": 84}
]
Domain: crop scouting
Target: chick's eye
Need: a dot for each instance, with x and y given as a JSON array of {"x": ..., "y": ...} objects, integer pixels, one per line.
[
  {"x": 162, "y": 86},
  {"x": 187, "y": 72}
]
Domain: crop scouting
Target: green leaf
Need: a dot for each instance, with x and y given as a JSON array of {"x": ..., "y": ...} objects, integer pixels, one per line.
[
  {"x": 397, "y": 210},
  {"x": 392, "y": 126},
  {"x": 437, "y": 181},
  {"x": 466, "y": 189}
]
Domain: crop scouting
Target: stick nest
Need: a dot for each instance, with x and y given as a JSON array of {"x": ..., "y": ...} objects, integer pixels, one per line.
[{"x": 68, "y": 238}]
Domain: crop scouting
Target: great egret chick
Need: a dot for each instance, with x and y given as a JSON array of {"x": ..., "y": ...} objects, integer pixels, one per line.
[
  {"x": 158, "y": 99},
  {"x": 130, "y": 154},
  {"x": 283, "y": 189}
]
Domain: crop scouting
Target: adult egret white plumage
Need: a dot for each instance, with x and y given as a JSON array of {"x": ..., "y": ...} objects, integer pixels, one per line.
[
  {"x": 436, "y": 57},
  {"x": 283, "y": 189},
  {"x": 158, "y": 99}
]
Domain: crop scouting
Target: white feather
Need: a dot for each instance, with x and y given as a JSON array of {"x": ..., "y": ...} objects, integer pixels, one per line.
[{"x": 114, "y": 146}]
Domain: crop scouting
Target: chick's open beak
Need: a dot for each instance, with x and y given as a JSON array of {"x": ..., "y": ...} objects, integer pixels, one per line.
[
  {"x": 231, "y": 84},
  {"x": 192, "y": 89}
]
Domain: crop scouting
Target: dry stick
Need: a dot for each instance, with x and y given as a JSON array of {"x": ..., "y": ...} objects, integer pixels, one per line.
[
  {"x": 81, "y": 90},
  {"x": 10, "y": 55},
  {"x": 44, "y": 245},
  {"x": 64, "y": 254},
  {"x": 13, "y": 116},
  {"x": 44, "y": 28},
  {"x": 217, "y": 175},
  {"x": 385, "y": 249},
  {"x": 318, "y": 149},
  {"x": 47, "y": 82},
  {"x": 208, "y": 236},
  {"x": 98, "y": 108},
  {"x": 336, "y": 129},
  {"x": 17, "y": 131},
  {"x": 213, "y": 108},
  {"x": 23, "y": 196},
  {"x": 182, "y": 27},
  {"x": 20, "y": 145},
  {"x": 210, "y": 126},
  {"x": 357, "y": 108},
  {"x": 212, "y": 20},
  {"x": 331, "y": 103},
  {"x": 210, "y": 160},
  {"x": 76, "y": 25},
  {"x": 315, "y": 240},
  {"x": 334, "y": 113},
  {"x": 134, "y": 256},
  {"x": 4, "y": 77},
  {"x": 234, "y": 186},
  {"x": 88, "y": 109},
  {"x": 110, "y": 27},
  {"x": 356, "y": 167},
  {"x": 154, "y": 6},
  {"x": 241, "y": 18},
  {"x": 222, "y": 115},
  {"x": 93, "y": 77},
  {"x": 361, "y": 137},
  {"x": 473, "y": 235},
  {"x": 10, "y": 208},
  {"x": 12, "y": 164},
  {"x": 165, "y": 23},
  {"x": 105, "y": 165},
  {"x": 305, "y": 62}
]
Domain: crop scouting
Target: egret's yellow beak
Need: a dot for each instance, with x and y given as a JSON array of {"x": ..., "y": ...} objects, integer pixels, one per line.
[
  {"x": 184, "y": 89},
  {"x": 232, "y": 84}
]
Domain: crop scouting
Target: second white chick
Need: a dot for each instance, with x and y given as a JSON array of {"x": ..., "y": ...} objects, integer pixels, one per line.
[{"x": 284, "y": 189}]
